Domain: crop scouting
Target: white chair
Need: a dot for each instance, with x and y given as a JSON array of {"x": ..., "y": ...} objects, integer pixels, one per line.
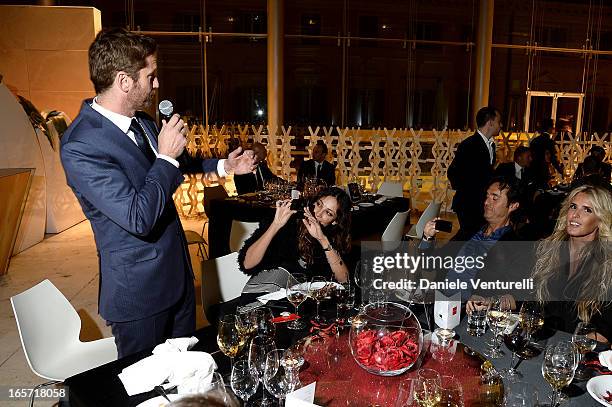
[
  {"x": 432, "y": 211},
  {"x": 393, "y": 189},
  {"x": 222, "y": 281},
  {"x": 395, "y": 228},
  {"x": 49, "y": 328},
  {"x": 241, "y": 231}
]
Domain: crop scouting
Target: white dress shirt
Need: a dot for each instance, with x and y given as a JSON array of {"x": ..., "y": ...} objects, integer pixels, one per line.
[
  {"x": 517, "y": 171},
  {"x": 490, "y": 145},
  {"x": 124, "y": 122}
]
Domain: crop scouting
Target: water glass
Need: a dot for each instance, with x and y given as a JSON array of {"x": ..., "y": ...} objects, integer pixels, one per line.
[
  {"x": 405, "y": 395},
  {"x": 277, "y": 379},
  {"x": 520, "y": 394},
  {"x": 244, "y": 383},
  {"x": 451, "y": 392},
  {"x": 477, "y": 322},
  {"x": 427, "y": 391}
]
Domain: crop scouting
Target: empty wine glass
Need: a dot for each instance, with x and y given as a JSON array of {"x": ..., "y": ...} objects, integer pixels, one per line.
[
  {"x": 215, "y": 390},
  {"x": 585, "y": 342},
  {"x": 520, "y": 394},
  {"x": 558, "y": 367},
  {"x": 297, "y": 291},
  {"x": 531, "y": 317},
  {"x": 451, "y": 392},
  {"x": 259, "y": 348},
  {"x": 243, "y": 381},
  {"x": 263, "y": 317},
  {"x": 318, "y": 291},
  {"x": 278, "y": 380}
]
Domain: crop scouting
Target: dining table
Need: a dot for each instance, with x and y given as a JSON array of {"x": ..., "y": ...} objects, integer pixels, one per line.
[
  {"x": 369, "y": 216},
  {"x": 101, "y": 386}
]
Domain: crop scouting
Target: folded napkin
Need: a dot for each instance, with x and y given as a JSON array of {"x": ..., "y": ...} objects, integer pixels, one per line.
[
  {"x": 381, "y": 200},
  {"x": 186, "y": 370},
  {"x": 273, "y": 296},
  {"x": 302, "y": 397},
  {"x": 176, "y": 345},
  {"x": 605, "y": 358}
]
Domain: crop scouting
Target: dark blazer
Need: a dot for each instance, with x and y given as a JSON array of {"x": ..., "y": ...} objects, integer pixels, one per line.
[
  {"x": 507, "y": 170},
  {"x": 246, "y": 183},
  {"x": 469, "y": 174},
  {"x": 327, "y": 172},
  {"x": 143, "y": 256}
]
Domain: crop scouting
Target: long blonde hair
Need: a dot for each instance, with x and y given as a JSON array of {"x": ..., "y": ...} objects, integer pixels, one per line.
[{"x": 594, "y": 286}]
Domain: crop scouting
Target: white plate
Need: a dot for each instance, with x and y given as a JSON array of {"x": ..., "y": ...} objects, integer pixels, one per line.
[
  {"x": 158, "y": 401},
  {"x": 366, "y": 204},
  {"x": 598, "y": 386}
]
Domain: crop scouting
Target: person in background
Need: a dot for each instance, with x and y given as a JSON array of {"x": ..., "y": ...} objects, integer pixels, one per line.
[
  {"x": 519, "y": 170},
  {"x": 573, "y": 271},
  {"x": 123, "y": 170},
  {"x": 256, "y": 181},
  {"x": 590, "y": 174},
  {"x": 315, "y": 244},
  {"x": 604, "y": 168},
  {"x": 545, "y": 152},
  {"x": 318, "y": 167},
  {"x": 472, "y": 169}
]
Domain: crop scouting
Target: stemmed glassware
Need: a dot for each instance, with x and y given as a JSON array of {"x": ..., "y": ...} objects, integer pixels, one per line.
[
  {"x": 520, "y": 394},
  {"x": 260, "y": 346},
  {"x": 318, "y": 291},
  {"x": 244, "y": 383},
  {"x": 229, "y": 339},
  {"x": 246, "y": 322},
  {"x": 277, "y": 379},
  {"x": 297, "y": 291},
  {"x": 558, "y": 367},
  {"x": 451, "y": 392},
  {"x": 531, "y": 317},
  {"x": 515, "y": 341},
  {"x": 497, "y": 320},
  {"x": 263, "y": 318},
  {"x": 585, "y": 342},
  {"x": 427, "y": 388}
]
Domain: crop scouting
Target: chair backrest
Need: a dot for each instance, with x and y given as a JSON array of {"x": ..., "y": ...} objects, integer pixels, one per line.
[
  {"x": 395, "y": 228},
  {"x": 432, "y": 211},
  {"x": 241, "y": 231},
  {"x": 391, "y": 189},
  {"x": 222, "y": 280},
  {"x": 212, "y": 193},
  {"x": 47, "y": 325}
]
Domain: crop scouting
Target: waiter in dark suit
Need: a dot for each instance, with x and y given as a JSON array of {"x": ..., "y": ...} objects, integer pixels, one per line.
[
  {"x": 317, "y": 168},
  {"x": 517, "y": 171},
  {"x": 471, "y": 171},
  {"x": 123, "y": 170},
  {"x": 544, "y": 151},
  {"x": 246, "y": 183}
]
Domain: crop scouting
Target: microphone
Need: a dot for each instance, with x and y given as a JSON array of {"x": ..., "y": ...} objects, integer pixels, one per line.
[{"x": 166, "y": 109}]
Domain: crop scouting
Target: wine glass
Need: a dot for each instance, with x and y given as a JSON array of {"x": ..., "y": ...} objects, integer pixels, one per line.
[
  {"x": 263, "y": 317},
  {"x": 496, "y": 319},
  {"x": 520, "y": 394},
  {"x": 297, "y": 291},
  {"x": 515, "y": 341},
  {"x": 293, "y": 360},
  {"x": 277, "y": 379},
  {"x": 243, "y": 381},
  {"x": 531, "y": 316},
  {"x": 260, "y": 346},
  {"x": 585, "y": 342},
  {"x": 426, "y": 391},
  {"x": 229, "y": 339},
  {"x": 318, "y": 291},
  {"x": 214, "y": 389},
  {"x": 246, "y": 322},
  {"x": 343, "y": 292},
  {"x": 558, "y": 367},
  {"x": 451, "y": 392}
]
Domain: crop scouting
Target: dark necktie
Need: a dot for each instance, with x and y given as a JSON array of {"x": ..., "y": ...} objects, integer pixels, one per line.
[
  {"x": 317, "y": 169},
  {"x": 141, "y": 141}
]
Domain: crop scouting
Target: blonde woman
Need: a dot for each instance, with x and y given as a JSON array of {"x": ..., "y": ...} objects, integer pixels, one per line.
[{"x": 573, "y": 271}]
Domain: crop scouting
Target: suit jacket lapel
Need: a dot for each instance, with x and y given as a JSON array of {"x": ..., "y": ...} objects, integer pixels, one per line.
[
  {"x": 151, "y": 128},
  {"x": 115, "y": 135}
]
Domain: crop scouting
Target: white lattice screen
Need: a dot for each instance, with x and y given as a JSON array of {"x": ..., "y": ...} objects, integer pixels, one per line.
[{"x": 418, "y": 159}]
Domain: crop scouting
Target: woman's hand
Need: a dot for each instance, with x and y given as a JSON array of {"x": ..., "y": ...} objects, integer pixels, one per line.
[
  {"x": 283, "y": 213},
  {"x": 429, "y": 231},
  {"x": 476, "y": 303},
  {"x": 312, "y": 225}
]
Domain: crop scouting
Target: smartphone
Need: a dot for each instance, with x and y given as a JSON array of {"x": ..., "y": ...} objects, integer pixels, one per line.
[{"x": 444, "y": 226}]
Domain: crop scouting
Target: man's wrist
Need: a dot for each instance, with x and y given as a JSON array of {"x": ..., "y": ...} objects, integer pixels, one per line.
[
  {"x": 224, "y": 168},
  {"x": 428, "y": 238}
]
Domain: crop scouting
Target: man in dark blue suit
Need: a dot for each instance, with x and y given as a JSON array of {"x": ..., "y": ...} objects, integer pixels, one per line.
[
  {"x": 123, "y": 170},
  {"x": 471, "y": 171},
  {"x": 318, "y": 167}
]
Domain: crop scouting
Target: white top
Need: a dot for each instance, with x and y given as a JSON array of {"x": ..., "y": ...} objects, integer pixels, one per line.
[{"x": 517, "y": 171}]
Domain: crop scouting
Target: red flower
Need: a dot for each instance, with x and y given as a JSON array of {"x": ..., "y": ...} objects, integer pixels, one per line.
[{"x": 390, "y": 351}]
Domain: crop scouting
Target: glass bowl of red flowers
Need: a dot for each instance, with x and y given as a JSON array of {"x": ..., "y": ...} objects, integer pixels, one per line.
[{"x": 386, "y": 339}]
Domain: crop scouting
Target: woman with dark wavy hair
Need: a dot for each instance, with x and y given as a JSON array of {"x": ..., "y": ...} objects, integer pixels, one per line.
[
  {"x": 314, "y": 244},
  {"x": 573, "y": 271}
]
